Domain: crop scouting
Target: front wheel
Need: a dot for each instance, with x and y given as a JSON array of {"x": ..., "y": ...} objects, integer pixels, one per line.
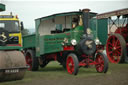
[
  {"x": 72, "y": 64},
  {"x": 101, "y": 62}
]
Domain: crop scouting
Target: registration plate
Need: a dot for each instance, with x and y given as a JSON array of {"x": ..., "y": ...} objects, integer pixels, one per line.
[{"x": 8, "y": 71}]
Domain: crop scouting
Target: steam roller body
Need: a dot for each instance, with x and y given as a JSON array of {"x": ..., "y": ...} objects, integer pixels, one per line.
[{"x": 12, "y": 65}]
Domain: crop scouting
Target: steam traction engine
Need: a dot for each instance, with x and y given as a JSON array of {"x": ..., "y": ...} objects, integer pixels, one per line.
[
  {"x": 117, "y": 43},
  {"x": 66, "y": 38}
]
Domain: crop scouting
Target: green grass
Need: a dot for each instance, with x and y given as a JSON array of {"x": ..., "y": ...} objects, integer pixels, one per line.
[{"x": 54, "y": 71}]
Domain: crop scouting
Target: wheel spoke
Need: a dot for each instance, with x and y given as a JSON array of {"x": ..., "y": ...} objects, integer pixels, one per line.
[
  {"x": 30, "y": 61},
  {"x": 118, "y": 47},
  {"x": 113, "y": 56},
  {"x": 111, "y": 52},
  {"x": 110, "y": 47},
  {"x": 70, "y": 65},
  {"x": 117, "y": 57},
  {"x": 113, "y": 41},
  {"x": 116, "y": 42},
  {"x": 100, "y": 63},
  {"x": 118, "y": 52},
  {"x": 110, "y": 44}
]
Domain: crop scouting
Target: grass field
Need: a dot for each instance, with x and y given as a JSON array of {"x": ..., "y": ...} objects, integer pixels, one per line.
[{"x": 55, "y": 72}]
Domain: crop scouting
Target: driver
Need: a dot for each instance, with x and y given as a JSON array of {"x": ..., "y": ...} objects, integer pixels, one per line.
[{"x": 74, "y": 22}]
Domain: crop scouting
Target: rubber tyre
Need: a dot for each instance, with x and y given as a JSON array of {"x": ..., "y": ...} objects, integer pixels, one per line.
[
  {"x": 123, "y": 54},
  {"x": 34, "y": 64},
  {"x": 65, "y": 54},
  {"x": 101, "y": 64},
  {"x": 72, "y": 60}
]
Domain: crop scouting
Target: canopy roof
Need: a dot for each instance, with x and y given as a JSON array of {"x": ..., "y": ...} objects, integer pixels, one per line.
[
  {"x": 65, "y": 14},
  {"x": 113, "y": 13}
]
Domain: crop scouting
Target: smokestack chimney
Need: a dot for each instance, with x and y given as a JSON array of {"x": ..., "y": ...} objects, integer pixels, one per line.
[{"x": 85, "y": 19}]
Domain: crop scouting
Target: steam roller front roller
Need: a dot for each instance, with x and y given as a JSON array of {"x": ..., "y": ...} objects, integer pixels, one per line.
[{"x": 12, "y": 65}]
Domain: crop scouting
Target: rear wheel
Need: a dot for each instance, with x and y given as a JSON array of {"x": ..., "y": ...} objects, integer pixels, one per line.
[
  {"x": 31, "y": 60},
  {"x": 116, "y": 48},
  {"x": 101, "y": 62},
  {"x": 72, "y": 64}
]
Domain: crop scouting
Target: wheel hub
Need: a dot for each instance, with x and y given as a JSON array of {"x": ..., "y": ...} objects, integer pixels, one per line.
[
  {"x": 70, "y": 65},
  {"x": 114, "y": 48}
]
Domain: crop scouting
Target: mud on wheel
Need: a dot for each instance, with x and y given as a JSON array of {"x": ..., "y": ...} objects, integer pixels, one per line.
[
  {"x": 101, "y": 62},
  {"x": 116, "y": 48},
  {"x": 72, "y": 64}
]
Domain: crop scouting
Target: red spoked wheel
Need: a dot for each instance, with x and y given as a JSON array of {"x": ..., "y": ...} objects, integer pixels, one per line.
[
  {"x": 101, "y": 62},
  {"x": 116, "y": 48},
  {"x": 31, "y": 60},
  {"x": 72, "y": 64},
  {"x": 28, "y": 58}
]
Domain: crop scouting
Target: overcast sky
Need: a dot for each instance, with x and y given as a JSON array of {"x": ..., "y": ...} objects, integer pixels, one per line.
[{"x": 28, "y": 10}]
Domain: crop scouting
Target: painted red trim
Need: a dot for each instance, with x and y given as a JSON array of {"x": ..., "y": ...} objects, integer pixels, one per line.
[
  {"x": 87, "y": 61},
  {"x": 14, "y": 45},
  {"x": 52, "y": 56},
  {"x": 66, "y": 48},
  {"x": 70, "y": 65},
  {"x": 67, "y": 33}
]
